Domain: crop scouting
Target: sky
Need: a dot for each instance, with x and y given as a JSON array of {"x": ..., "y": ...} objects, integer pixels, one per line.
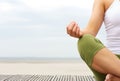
[{"x": 37, "y": 28}]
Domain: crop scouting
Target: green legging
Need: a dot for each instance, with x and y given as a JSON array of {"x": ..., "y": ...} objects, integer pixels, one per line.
[{"x": 88, "y": 46}]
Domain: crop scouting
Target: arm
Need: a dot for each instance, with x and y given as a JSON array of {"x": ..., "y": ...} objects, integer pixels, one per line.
[{"x": 94, "y": 23}]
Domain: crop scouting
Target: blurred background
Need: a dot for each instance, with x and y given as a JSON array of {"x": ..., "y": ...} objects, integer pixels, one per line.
[{"x": 36, "y": 29}]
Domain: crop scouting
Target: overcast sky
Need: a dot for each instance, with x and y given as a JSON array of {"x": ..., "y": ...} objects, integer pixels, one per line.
[{"x": 37, "y": 28}]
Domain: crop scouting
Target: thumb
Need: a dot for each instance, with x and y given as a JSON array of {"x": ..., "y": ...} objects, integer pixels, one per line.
[{"x": 80, "y": 34}]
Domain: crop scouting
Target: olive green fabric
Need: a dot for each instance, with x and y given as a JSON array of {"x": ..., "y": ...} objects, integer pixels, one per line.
[{"x": 88, "y": 46}]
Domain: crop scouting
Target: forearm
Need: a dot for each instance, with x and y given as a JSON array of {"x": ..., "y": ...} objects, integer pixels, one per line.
[{"x": 88, "y": 31}]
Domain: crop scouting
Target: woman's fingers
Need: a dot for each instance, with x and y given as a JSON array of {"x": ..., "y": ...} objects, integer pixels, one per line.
[
  {"x": 70, "y": 27},
  {"x": 78, "y": 32},
  {"x": 73, "y": 30}
]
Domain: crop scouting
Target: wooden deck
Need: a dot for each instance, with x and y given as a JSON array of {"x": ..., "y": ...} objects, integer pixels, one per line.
[
  {"x": 45, "y": 78},
  {"x": 45, "y": 71}
]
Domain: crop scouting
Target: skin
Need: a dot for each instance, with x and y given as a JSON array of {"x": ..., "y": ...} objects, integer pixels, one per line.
[
  {"x": 110, "y": 77},
  {"x": 104, "y": 57}
]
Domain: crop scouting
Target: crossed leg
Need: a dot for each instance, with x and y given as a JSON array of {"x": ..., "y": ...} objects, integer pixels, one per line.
[
  {"x": 100, "y": 60},
  {"x": 106, "y": 62}
]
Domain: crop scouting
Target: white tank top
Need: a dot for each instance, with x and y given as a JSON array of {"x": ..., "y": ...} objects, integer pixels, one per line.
[{"x": 112, "y": 26}]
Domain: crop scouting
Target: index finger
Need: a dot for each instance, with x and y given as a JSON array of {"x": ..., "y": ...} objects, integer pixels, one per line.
[{"x": 70, "y": 27}]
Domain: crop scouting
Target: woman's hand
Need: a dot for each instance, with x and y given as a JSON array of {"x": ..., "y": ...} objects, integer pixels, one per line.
[{"x": 74, "y": 30}]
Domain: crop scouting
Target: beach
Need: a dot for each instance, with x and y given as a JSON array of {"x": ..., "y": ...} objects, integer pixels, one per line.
[{"x": 46, "y": 67}]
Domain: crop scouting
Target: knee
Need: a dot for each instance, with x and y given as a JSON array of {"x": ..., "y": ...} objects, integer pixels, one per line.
[
  {"x": 88, "y": 44},
  {"x": 87, "y": 41}
]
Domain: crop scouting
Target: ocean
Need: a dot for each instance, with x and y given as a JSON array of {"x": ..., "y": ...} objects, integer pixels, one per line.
[{"x": 39, "y": 59}]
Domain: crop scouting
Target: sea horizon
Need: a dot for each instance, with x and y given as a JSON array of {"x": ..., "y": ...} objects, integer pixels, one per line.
[{"x": 39, "y": 59}]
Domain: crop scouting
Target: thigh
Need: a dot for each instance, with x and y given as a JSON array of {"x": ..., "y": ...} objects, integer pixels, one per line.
[
  {"x": 87, "y": 47},
  {"x": 93, "y": 52}
]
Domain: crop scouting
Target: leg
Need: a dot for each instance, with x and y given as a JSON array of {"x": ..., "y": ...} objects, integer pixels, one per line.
[
  {"x": 106, "y": 62},
  {"x": 97, "y": 57},
  {"x": 110, "y": 77}
]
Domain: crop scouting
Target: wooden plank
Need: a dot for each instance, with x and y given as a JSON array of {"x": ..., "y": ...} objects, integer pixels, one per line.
[
  {"x": 4, "y": 77},
  {"x": 45, "y": 78}
]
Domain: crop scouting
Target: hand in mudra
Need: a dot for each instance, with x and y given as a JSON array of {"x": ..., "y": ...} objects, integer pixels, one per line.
[{"x": 74, "y": 30}]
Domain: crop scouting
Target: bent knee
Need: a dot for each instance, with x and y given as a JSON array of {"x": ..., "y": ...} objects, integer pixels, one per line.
[
  {"x": 88, "y": 45},
  {"x": 88, "y": 42}
]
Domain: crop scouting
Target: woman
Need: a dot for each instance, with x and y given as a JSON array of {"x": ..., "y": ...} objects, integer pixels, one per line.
[{"x": 103, "y": 61}]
